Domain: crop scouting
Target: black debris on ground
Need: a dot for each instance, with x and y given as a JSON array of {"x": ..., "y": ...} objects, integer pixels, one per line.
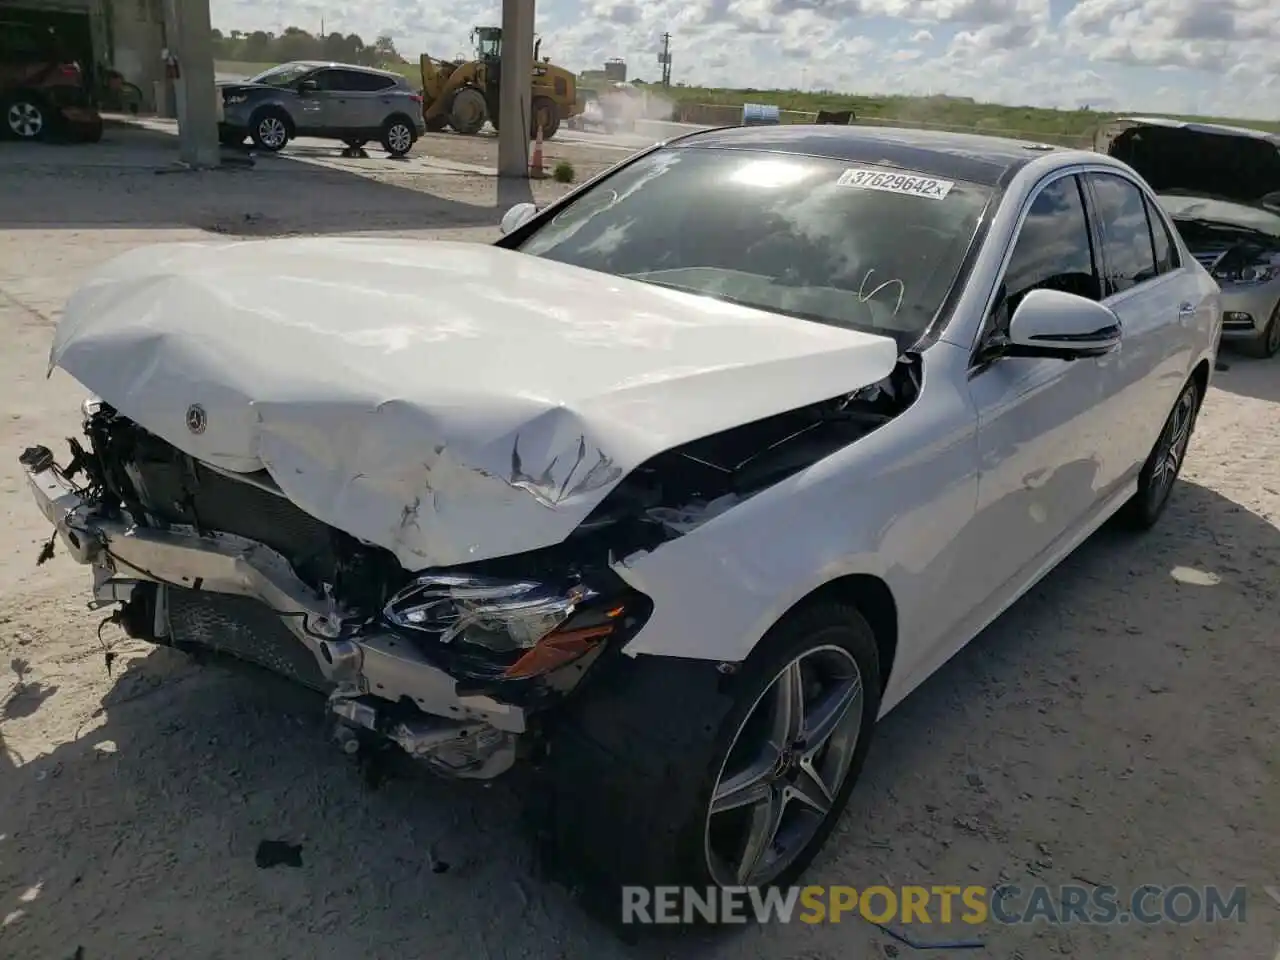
[{"x": 277, "y": 853}]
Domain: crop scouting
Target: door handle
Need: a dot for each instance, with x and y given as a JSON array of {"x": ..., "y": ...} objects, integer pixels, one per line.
[{"x": 1186, "y": 309}]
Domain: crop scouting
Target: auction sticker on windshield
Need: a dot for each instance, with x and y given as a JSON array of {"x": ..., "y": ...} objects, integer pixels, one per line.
[{"x": 914, "y": 186}]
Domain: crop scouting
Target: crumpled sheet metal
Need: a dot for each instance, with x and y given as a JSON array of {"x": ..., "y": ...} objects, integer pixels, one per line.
[{"x": 448, "y": 401}]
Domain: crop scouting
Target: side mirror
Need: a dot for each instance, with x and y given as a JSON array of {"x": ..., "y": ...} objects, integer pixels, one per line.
[
  {"x": 517, "y": 217},
  {"x": 1062, "y": 326},
  {"x": 308, "y": 86}
]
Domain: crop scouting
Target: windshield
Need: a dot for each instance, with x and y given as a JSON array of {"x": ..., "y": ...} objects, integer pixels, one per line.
[
  {"x": 284, "y": 75},
  {"x": 1209, "y": 210},
  {"x": 872, "y": 249}
]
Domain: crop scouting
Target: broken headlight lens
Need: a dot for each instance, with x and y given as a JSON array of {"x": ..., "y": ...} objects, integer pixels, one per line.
[
  {"x": 88, "y": 408},
  {"x": 501, "y": 615}
]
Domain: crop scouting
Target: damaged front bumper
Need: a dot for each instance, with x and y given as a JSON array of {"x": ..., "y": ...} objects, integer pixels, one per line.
[{"x": 372, "y": 674}]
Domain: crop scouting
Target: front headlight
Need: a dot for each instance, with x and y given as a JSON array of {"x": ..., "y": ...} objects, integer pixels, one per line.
[
  {"x": 88, "y": 408},
  {"x": 1253, "y": 273},
  {"x": 1260, "y": 273},
  {"x": 234, "y": 98},
  {"x": 502, "y": 615}
]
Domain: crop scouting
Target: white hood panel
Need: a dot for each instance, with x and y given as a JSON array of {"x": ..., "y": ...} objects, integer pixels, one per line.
[{"x": 447, "y": 401}]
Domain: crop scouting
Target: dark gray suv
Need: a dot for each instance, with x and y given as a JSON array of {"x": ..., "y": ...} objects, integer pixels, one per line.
[{"x": 336, "y": 101}]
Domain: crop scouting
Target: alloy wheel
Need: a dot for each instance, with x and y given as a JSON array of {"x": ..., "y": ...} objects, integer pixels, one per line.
[
  {"x": 785, "y": 767},
  {"x": 25, "y": 119},
  {"x": 272, "y": 132},
  {"x": 399, "y": 138},
  {"x": 1173, "y": 446}
]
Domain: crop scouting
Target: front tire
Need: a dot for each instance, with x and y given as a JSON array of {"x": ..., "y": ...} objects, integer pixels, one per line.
[
  {"x": 545, "y": 114},
  {"x": 1164, "y": 464},
  {"x": 1268, "y": 345},
  {"x": 269, "y": 130},
  {"x": 468, "y": 111},
  {"x": 665, "y": 768}
]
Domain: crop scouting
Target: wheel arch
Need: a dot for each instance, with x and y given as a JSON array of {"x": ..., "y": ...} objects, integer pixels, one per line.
[
  {"x": 25, "y": 93},
  {"x": 873, "y": 599},
  {"x": 1201, "y": 376}
]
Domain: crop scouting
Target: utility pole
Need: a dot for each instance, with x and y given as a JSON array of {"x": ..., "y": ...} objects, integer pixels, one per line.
[
  {"x": 664, "y": 58},
  {"x": 515, "y": 88},
  {"x": 188, "y": 33}
]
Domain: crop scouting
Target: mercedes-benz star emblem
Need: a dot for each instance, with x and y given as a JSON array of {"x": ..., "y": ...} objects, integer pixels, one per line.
[{"x": 197, "y": 420}]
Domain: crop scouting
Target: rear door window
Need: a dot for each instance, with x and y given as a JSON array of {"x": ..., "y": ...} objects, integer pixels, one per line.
[
  {"x": 367, "y": 82},
  {"x": 22, "y": 43},
  {"x": 1127, "y": 248},
  {"x": 1167, "y": 259}
]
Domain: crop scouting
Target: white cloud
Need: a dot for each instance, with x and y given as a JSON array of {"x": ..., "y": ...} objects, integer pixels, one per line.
[{"x": 1203, "y": 56}]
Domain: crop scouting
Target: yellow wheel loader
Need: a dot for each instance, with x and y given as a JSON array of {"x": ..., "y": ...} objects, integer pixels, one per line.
[{"x": 463, "y": 94}]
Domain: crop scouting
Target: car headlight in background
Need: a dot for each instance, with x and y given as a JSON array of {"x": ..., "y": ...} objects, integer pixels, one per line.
[
  {"x": 1253, "y": 273},
  {"x": 234, "y": 98},
  {"x": 543, "y": 626},
  {"x": 1260, "y": 273}
]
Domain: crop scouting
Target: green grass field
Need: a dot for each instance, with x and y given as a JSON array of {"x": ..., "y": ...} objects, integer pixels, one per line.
[{"x": 952, "y": 112}]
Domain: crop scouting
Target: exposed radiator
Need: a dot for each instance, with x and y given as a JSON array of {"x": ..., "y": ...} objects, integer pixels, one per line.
[{"x": 242, "y": 628}]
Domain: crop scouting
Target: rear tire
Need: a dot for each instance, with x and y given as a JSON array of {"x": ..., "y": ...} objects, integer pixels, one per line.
[
  {"x": 1164, "y": 464},
  {"x": 25, "y": 117},
  {"x": 269, "y": 130},
  {"x": 633, "y": 767},
  {"x": 398, "y": 136},
  {"x": 1267, "y": 345}
]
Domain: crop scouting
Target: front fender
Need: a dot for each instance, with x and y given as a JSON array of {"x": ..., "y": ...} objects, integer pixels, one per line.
[{"x": 891, "y": 505}]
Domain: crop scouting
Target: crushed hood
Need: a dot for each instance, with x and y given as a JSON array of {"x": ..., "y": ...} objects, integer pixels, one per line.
[
  {"x": 1231, "y": 163},
  {"x": 448, "y": 401}
]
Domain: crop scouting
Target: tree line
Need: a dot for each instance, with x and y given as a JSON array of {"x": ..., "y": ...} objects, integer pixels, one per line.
[{"x": 294, "y": 43}]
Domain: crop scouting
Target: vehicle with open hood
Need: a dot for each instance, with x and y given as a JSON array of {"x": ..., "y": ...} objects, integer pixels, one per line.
[
  {"x": 1221, "y": 186},
  {"x": 672, "y": 492}
]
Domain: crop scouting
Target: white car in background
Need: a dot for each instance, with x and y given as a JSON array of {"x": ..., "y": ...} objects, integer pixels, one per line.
[
  {"x": 1221, "y": 186},
  {"x": 679, "y": 487}
]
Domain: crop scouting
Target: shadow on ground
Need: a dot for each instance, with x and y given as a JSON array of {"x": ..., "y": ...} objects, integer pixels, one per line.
[
  {"x": 1250, "y": 377},
  {"x": 158, "y": 812},
  {"x": 131, "y": 180}
]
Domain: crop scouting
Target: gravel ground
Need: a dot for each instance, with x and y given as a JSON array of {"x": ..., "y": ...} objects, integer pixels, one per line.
[{"x": 1118, "y": 726}]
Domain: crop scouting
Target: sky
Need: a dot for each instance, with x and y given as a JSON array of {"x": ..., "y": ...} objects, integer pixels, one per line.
[{"x": 1205, "y": 57}]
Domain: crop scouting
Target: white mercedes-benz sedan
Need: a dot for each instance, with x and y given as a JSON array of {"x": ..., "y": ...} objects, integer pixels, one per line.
[{"x": 671, "y": 493}]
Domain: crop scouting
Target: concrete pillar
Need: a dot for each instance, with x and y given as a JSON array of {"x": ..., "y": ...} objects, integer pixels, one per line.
[
  {"x": 187, "y": 28},
  {"x": 517, "y": 73}
]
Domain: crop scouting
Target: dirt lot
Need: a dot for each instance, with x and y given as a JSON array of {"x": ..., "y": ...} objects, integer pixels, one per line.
[{"x": 1117, "y": 727}]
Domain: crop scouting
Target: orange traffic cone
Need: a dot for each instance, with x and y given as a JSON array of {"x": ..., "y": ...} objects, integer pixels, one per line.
[{"x": 536, "y": 171}]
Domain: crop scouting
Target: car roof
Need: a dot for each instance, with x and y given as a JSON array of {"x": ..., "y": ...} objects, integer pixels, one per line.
[
  {"x": 315, "y": 64},
  {"x": 989, "y": 161}
]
